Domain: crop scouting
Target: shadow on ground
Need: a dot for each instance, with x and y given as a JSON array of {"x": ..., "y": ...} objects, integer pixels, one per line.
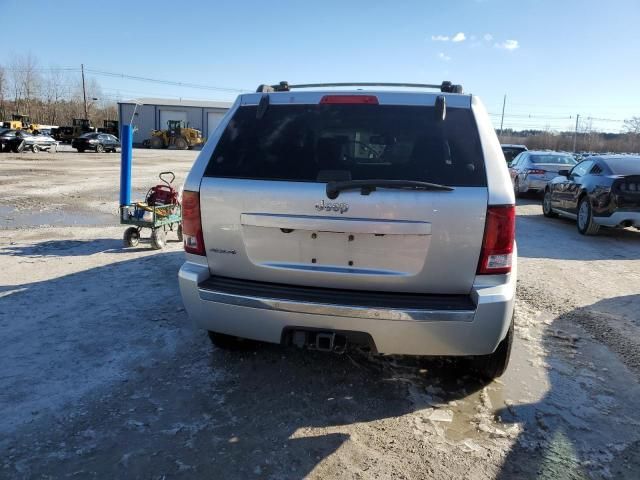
[
  {"x": 586, "y": 426},
  {"x": 148, "y": 397},
  {"x": 77, "y": 248}
]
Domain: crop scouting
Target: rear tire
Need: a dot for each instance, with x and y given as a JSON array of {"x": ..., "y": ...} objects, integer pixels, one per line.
[
  {"x": 546, "y": 205},
  {"x": 158, "y": 238},
  {"x": 99, "y": 148},
  {"x": 229, "y": 342},
  {"x": 495, "y": 364},
  {"x": 585, "y": 223},
  {"x": 131, "y": 237}
]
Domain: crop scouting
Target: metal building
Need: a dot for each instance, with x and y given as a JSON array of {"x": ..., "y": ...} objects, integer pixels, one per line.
[{"x": 153, "y": 114}]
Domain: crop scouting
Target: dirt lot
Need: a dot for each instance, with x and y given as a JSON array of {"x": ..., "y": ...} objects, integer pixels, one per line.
[{"x": 101, "y": 374}]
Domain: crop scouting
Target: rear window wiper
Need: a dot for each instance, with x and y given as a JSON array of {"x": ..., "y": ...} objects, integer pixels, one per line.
[{"x": 368, "y": 186}]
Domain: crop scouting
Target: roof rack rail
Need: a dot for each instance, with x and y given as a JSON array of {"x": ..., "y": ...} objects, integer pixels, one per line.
[{"x": 445, "y": 87}]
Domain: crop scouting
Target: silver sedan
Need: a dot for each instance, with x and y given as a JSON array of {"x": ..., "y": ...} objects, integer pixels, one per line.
[{"x": 532, "y": 170}]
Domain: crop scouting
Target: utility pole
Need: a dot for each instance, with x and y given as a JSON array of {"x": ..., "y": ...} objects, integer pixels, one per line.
[
  {"x": 504, "y": 102},
  {"x": 84, "y": 93},
  {"x": 575, "y": 133}
]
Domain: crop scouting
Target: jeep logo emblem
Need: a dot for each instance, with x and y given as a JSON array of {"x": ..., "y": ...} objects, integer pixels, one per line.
[{"x": 331, "y": 207}]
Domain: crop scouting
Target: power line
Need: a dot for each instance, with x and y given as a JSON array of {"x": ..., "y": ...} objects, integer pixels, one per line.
[{"x": 165, "y": 82}]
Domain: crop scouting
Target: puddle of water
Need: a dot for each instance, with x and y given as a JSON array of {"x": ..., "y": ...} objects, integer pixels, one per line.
[
  {"x": 12, "y": 218},
  {"x": 474, "y": 414}
]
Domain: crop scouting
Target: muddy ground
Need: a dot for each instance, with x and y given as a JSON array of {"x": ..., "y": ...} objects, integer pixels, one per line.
[{"x": 102, "y": 375}]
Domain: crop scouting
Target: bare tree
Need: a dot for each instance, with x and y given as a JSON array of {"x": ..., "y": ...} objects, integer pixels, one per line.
[
  {"x": 25, "y": 80},
  {"x": 53, "y": 95},
  {"x": 3, "y": 92},
  {"x": 632, "y": 125}
]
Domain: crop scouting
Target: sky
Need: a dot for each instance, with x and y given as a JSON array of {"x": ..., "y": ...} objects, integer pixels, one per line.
[{"x": 553, "y": 59}]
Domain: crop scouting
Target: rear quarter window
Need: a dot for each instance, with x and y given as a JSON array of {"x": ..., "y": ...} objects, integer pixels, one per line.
[{"x": 319, "y": 143}]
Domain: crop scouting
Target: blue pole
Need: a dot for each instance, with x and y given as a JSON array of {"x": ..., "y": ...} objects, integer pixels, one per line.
[{"x": 126, "y": 140}]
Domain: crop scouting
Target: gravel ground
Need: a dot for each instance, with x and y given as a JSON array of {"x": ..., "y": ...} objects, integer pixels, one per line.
[{"x": 102, "y": 376}]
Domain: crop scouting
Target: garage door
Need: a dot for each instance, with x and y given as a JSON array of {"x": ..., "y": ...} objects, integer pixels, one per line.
[
  {"x": 213, "y": 119},
  {"x": 166, "y": 115}
]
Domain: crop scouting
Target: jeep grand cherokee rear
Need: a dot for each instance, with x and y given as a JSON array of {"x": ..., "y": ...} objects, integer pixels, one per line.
[{"x": 380, "y": 218}]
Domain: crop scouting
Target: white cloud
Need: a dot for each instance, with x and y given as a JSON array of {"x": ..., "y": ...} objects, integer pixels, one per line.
[
  {"x": 458, "y": 37},
  {"x": 487, "y": 37},
  {"x": 443, "y": 57},
  {"x": 508, "y": 45},
  {"x": 439, "y": 38}
]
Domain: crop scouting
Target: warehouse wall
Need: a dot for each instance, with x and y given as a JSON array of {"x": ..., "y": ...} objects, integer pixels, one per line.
[{"x": 147, "y": 118}]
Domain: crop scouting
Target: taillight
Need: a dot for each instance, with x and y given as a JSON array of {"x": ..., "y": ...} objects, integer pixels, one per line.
[
  {"x": 348, "y": 99},
  {"x": 191, "y": 223},
  {"x": 497, "y": 244},
  {"x": 536, "y": 171}
]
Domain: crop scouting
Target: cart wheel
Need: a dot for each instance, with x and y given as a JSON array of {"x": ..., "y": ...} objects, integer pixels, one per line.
[
  {"x": 158, "y": 238},
  {"x": 131, "y": 237},
  {"x": 179, "y": 232}
]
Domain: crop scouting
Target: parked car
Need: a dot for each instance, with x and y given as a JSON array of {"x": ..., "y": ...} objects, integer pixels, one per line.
[
  {"x": 99, "y": 142},
  {"x": 599, "y": 191},
  {"x": 20, "y": 140},
  {"x": 333, "y": 217},
  {"x": 6, "y": 135},
  {"x": 512, "y": 151},
  {"x": 530, "y": 171}
]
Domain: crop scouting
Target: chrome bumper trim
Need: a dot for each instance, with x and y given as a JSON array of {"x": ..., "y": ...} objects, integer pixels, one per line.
[{"x": 337, "y": 310}]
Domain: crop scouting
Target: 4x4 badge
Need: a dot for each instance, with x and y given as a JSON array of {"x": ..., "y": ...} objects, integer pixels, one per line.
[{"x": 331, "y": 207}]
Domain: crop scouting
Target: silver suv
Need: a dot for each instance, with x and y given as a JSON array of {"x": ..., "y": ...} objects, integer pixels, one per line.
[{"x": 323, "y": 216}]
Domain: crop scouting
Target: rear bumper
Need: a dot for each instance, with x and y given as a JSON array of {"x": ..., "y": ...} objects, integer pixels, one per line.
[
  {"x": 534, "y": 183},
  {"x": 474, "y": 330},
  {"x": 630, "y": 218}
]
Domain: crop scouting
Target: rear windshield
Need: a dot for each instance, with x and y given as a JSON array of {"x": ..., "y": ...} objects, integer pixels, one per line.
[
  {"x": 89, "y": 135},
  {"x": 555, "y": 159},
  {"x": 624, "y": 166},
  {"x": 320, "y": 143},
  {"x": 511, "y": 152}
]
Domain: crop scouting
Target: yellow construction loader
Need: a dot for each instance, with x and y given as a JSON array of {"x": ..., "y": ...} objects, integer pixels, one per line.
[
  {"x": 178, "y": 135},
  {"x": 21, "y": 122}
]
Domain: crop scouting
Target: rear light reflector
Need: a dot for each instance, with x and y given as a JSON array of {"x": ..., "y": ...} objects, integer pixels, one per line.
[
  {"x": 536, "y": 171},
  {"x": 497, "y": 244},
  {"x": 349, "y": 99},
  {"x": 192, "y": 223}
]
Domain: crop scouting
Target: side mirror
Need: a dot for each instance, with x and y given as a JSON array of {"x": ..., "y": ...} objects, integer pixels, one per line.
[
  {"x": 509, "y": 164},
  {"x": 563, "y": 173}
]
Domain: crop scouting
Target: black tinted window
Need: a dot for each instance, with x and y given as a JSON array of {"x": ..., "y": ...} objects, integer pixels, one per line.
[{"x": 318, "y": 143}]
